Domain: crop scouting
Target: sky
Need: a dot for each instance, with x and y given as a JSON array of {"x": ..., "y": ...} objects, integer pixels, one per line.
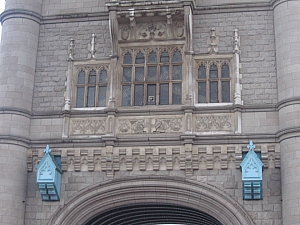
[{"x": 2, "y": 4}]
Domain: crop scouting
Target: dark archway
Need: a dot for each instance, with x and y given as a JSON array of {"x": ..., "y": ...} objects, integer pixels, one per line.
[
  {"x": 149, "y": 214},
  {"x": 122, "y": 192}
]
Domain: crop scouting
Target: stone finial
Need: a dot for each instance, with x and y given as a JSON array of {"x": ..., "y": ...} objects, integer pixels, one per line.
[
  {"x": 236, "y": 41},
  {"x": 47, "y": 149},
  {"x": 213, "y": 42},
  {"x": 93, "y": 47},
  {"x": 251, "y": 146},
  {"x": 71, "y": 49}
]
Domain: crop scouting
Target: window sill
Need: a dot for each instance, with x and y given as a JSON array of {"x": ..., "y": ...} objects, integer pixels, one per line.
[{"x": 213, "y": 104}]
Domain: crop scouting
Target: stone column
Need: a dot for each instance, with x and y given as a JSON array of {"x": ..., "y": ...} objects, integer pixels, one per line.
[
  {"x": 287, "y": 38},
  {"x": 18, "y": 54}
]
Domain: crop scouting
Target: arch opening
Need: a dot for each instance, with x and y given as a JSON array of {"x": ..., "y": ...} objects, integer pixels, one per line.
[{"x": 151, "y": 191}]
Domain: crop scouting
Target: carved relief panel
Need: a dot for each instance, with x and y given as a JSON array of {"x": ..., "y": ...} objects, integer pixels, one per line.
[
  {"x": 152, "y": 30},
  {"x": 215, "y": 123},
  {"x": 91, "y": 126},
  {"x": 142, "y": 125}
]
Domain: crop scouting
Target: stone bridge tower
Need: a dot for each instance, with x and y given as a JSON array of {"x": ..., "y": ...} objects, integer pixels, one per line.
[
  {"x": 18, "y": 62},
  {"x": 155, "y": 149},
  {"x": 287, "y": 38}
]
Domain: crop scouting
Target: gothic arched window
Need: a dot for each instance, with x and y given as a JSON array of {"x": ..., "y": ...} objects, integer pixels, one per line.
[
  {"x": 213, "y": 82},
  {"x": 91, "y": 88}
]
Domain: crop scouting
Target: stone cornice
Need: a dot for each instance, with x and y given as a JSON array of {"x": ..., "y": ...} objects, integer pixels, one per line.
[
  {"x": 287, "y": 102},
  {"x": 14, "y": 140},
  {"x": 21, "y": 13},
  {"x": 104, "y": 15},
  {"x": 275, "y": 3},
  {"x": 15, "y": 111},
  {"x": 236, "y": 7}
]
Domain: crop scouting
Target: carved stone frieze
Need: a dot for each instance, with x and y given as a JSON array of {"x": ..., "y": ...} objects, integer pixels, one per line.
[
  {"x": 88, "y": 127},
  {"x": 153, "y": 30},
  {"x": 132, "y": 126},
  {"x": 187, "y": 158},
  {"x": 167, "y": 125},
  {"x": 223, "y": 122}
]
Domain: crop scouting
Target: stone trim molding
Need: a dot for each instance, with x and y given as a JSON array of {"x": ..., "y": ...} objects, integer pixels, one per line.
[{"x": 144, "y": 189}]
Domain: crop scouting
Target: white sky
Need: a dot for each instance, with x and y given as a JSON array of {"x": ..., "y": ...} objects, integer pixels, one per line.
[{"x": 2, "y": 4}]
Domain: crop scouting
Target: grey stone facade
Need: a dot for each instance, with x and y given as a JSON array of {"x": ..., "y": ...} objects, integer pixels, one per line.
[{"x": 187, "y": 154}]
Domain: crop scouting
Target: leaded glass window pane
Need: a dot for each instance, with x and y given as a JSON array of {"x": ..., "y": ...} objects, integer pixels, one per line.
[
  {"x": 202, "y": 92},
  {"x": 177, "y": 56},
  {"x": 164, "y": 73},
  {"x": 126, "y": 95},
  {"x": 151, "y": 94},
  {"x": 127, "y": 73},
  {"x": 127, "y": 58},
  {"x": 81, "y": 77},
  {"x": 164, "y": 94},
  {"x": 91, "y": 97},
  {"x": 102, "y": 96},
  {"x": 201, "y": 72},
  {"x": 213, "y": 92},
  {"x": 139, "y": 73},
  {"x": 103, "y": 76},
  {"x": 225, "y": 71},
  {"x": 152, "y": 58},
  {"x": 138, "y": 94},
  {"x": 140, "y": 58},
  {"x": 176, "y": 94},
  {"x": 164, "y": 57},
  {"x": 177, "y": 72},
  {"x": 80, "y": 97},
  {"x": 152, "y": 71},
  {"x": 213, "y": 71},
  {"x": 225, "y": 91},
  {"x": 92, "y": 77}
]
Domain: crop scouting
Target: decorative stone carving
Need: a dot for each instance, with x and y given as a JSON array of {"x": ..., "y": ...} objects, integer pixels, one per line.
[
  {"x": 88, "y": 127},
  {"x": 152, "y": 30},
  {"x": 213, "y": 42},
  {"x": 71, "y": 49},
  {"x": 92, "y": 47},
  {"x": 125, "y": 31},
  {"x": 236, "y": 41},
  {"x": 214, "y": 123},
  {"x": 179, "y": 29}
]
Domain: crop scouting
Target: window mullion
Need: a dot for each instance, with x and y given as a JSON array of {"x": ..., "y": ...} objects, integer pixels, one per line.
[
  {"x": 219, "y": 85},
  {"x": 97, "y": 88},
  {"x": 86, "y": 89},
  {"x": 207, "y": 85}
]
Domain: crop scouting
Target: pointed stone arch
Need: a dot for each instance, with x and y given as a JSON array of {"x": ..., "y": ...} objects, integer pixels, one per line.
[{"x": 143, "y": 189}]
